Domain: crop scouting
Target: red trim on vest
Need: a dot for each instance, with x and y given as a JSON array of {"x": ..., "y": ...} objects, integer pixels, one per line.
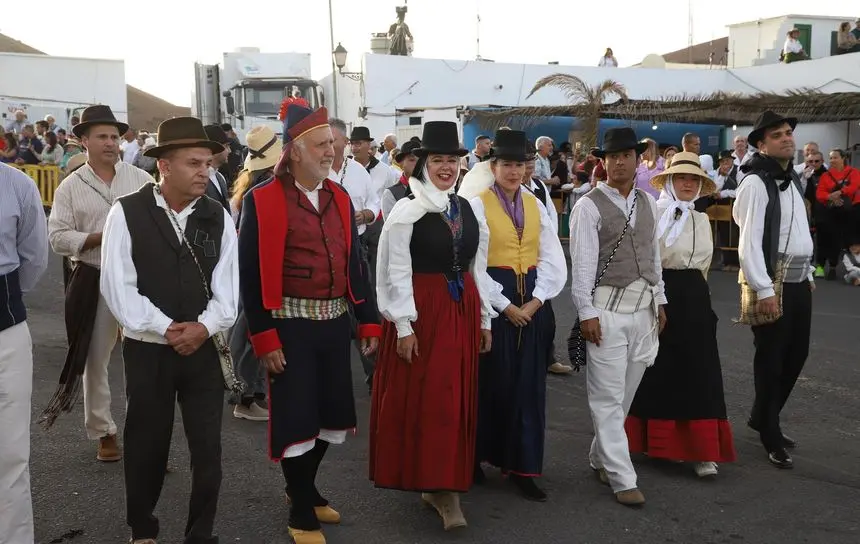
[{"x": 271, "y": 203}]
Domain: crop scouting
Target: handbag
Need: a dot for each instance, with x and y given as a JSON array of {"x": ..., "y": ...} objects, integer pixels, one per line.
[
  {"x": 222, "y": 346},
  {"x": 749, "y": 298},
  {"x": 575, "y": 341}
]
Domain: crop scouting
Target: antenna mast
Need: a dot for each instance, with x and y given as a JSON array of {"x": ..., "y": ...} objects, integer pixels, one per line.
[
  {"x": 690, "y": 29},
  {"x": 478, "y": 26}
]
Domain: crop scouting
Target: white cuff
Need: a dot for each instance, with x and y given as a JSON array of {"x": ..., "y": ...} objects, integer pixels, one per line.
[{"x": 404, "y": 328}]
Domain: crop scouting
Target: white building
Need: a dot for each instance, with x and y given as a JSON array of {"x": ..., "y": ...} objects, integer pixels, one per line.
[
  {"x": 755, "y": 43},
  {"x": 396, "y": 94}
]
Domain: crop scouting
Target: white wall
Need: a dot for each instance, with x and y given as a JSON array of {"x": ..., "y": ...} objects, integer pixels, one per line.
[
  {"x": 750, "y": 41},
  {"x": 827, "y": 135}
]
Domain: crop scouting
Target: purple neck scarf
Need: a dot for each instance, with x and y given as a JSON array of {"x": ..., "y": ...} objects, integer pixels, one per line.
[{"x": 513, "y": 209}]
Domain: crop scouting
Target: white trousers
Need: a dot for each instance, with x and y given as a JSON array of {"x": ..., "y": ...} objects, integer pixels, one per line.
[
  {"x": 615, "y": 368},
  {"x": 97, "y": 417},
  {"x": 16, "y": 388}
]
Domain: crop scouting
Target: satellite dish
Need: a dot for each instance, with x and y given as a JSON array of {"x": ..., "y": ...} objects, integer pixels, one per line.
[{"x": 653, "y": 61}]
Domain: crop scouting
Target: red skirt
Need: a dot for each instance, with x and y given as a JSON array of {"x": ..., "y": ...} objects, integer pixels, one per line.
[
  {"x": 423, "y": 415},
  {"x": 696, "y": 440}
]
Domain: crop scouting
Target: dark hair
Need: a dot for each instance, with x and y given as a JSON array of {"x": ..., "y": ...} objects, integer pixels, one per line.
[
  {"x": 51, "y": 140},
  {"x": 841, "y": 152},
  {"x": 689, "y": 137},
  {"x": 418, "y": 170},
  {"x": 481, "y": 137}
]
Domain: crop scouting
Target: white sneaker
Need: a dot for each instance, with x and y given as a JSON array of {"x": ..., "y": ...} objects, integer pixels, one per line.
[
  {"x": 254, "y": 412},
  {"x": 705, "y": 470}
]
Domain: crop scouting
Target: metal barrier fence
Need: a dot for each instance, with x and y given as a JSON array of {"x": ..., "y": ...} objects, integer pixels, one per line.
[{"x": 47, "y": 178}]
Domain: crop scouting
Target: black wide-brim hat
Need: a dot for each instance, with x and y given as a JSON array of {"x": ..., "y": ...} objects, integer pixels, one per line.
[
  {"x": 360, "y": 134},
  {"x": 440, "y": 138},
  {"x": 510, "y": 145},
  {"x": 726, "y": 154},
  {"x": 407, "y": 149},
  {"x": 181, "y": 132},
  {"x": 767, "y": 120},
  {"x": 619, "y": 139},
  {"x": 99, "y": 114}
]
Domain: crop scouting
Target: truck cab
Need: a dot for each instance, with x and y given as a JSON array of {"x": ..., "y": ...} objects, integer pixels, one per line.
[{"x": 257, "y": 102}]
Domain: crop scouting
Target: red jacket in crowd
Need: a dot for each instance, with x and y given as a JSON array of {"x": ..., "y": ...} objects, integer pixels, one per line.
[{"x": 831, "y": 179}]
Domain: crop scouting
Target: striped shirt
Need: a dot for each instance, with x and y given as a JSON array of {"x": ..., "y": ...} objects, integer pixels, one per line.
[
  {"x": 23, "y": 235},
  {"x": 81, "y": 205}
]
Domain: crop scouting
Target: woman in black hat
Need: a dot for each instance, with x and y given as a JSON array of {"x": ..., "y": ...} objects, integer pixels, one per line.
[
  {"x": 526, "y": 263},
  {"x": 437, "y": 319}
]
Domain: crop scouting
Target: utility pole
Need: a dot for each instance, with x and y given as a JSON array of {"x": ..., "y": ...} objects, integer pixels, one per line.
[
  {"x": 690, "y": 29},
  {"x": 478, "y": 25},
  {"x": 334, "y": 74}
]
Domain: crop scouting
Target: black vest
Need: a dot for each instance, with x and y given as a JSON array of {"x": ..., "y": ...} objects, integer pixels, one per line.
[
  {"x": 166, "y": 272},
  {"x": 431, "y": 246},
  {"x": 540, "y": 192},
  {"x": 11, "y": 301},
  {"x": 399, "y": 191}
]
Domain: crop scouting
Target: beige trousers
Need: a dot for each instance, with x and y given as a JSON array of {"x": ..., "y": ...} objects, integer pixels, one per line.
[
  {"x": 16, "y": 388},
  {"x": 97, "y": 416}
]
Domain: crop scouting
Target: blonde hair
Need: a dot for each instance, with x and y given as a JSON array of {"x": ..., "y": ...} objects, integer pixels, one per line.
[{"x": 240, "y": 187}]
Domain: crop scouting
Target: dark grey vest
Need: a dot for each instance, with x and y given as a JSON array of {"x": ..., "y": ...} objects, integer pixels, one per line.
[
  {"x": 635, "y": 256},
  {"x": 166, "y": 272}
]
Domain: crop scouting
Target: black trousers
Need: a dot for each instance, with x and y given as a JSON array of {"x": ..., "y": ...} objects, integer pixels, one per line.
[
  {"x": 369, "y": 243},
  {"x": 833, "y": 226},
  {"x": 781, "y": 349},
  {"x": 156, "y": 378}
]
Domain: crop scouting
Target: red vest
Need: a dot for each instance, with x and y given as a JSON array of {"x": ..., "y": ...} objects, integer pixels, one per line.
[{"x": 315, "y": 253}]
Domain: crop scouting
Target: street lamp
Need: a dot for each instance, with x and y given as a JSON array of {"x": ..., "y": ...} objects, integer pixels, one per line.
[{"x": 339, "y": 55}]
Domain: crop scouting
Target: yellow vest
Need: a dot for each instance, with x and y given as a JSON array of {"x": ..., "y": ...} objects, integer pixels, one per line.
[{"x": 506, "y": 250}]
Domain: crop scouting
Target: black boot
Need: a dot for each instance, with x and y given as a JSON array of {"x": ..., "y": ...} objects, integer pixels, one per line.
[
  {"x": 298, "y": 474},
  {"x": 528, "y": 488}
]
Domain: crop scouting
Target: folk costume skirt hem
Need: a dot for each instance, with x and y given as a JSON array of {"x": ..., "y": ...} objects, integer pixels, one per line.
[
  {"x": 698, "y": 440},
  {"x": 423, "y": 415}
]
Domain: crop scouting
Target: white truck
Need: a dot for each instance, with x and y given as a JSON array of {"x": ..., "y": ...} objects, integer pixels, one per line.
[
  {"x": 247, "y": 88},
  {"x": 62, "y": 87}
]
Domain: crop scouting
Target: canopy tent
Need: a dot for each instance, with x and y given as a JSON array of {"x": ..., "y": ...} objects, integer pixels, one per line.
[{"x": 725, "y": 109}]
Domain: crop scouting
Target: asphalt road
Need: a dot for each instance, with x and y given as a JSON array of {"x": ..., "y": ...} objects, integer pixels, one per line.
[{"x": 78, "y": 499}]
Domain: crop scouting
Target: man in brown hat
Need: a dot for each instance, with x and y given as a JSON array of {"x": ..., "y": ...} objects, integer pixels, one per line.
[
  {"x": 81, "y": 205},
  {"x": 170, "y": 276}
]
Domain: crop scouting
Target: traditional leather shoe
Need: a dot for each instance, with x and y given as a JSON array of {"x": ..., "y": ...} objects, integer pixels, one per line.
[
  {"x": 447, "y": 505},
  {"x": 300, "y": 536},
  {"x": 787, "y": 441},
  {"x": 325, "y": 514},
  {"x": 108, "y": 449},
  {"x": 630, "y": 497},
  {"x": 528, "y": 488},
  {"x": 780, "y": 459},
  {"x": 601, "y": 475},
  {"x": 142, "y": 541}
]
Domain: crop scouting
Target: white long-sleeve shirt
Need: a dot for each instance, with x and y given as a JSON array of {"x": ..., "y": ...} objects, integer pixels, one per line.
[
  {"x": 748, "y": 212},
  {"x": 585, "y": 246},
  {"x": 382, "y": 177},
  {"x": 135, "y": 312},
  {"x": 353, "y": 177},
  {"x": 81, "y": 205},
  {"x": 551, "y": 265},
  {"x": 720, "y": 181},
  {"x": 549, "y": 205}
]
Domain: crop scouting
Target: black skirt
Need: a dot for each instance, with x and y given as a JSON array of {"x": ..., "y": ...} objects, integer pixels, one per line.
[{"x": 679, "y": 411}]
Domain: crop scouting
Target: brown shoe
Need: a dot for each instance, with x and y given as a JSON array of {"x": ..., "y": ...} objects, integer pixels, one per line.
[
  {"x": 630, "y": 497},
  {"x": 108, "y": 449},
  {"x": 306, "y": 537},
  {"x": 142, "y": 541},
  {"x": 601, "y": 475}
]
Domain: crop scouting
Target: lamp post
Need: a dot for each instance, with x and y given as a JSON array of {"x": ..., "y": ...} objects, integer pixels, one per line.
[{"x": 339, "y": 56}]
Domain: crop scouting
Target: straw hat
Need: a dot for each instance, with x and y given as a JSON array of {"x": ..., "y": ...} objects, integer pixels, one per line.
[
  {"x": 264, "y": 148},
  {"x": 685, "y": 163}
]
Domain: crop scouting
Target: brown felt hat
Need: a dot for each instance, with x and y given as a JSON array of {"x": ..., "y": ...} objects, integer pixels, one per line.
[
  {"x": 181, "y": 132},
  {"x": 99, "y": 114}
]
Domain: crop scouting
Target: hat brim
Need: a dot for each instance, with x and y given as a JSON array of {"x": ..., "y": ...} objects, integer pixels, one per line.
[
  {"x": 79, "y": 129},
  {"x": 754, "y": 137},
  {"x": 709, "y": 187},
  {"x": 157, "y": 151},
  {"x": 269, "y": 161},
  {"x": 503, "y": 155},
  {"x": 601, "y": 153},
  {"x": 402, "y": 155},
  {"x": 423, "y": 152}
]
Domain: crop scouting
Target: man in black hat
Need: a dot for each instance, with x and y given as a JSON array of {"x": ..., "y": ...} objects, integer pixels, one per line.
[
  {"x": 617, "y": 285},
  {"x": 218, "y": 186},
  {"x": 230, "y": 169},
  {"x": 726, "y": 179},
  {"x": 775, "y": 252},
  {"x": 170, "y": 276},
  {"x": 81, "y": 205}
]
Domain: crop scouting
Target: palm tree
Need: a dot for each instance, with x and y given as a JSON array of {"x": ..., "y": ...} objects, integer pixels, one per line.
[{"x": 589, "y": 98}]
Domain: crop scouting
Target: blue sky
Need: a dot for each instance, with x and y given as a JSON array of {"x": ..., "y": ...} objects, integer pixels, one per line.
[{"x": 161, "y": 39}]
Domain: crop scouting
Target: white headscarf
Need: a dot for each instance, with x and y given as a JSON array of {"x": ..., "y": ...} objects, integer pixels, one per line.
[
  {"x": 428, "y": 199},
  {"x": 669, "y": 207}
]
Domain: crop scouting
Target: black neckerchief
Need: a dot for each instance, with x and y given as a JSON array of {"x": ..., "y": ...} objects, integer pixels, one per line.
[{"x": 762, "y": 163}]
